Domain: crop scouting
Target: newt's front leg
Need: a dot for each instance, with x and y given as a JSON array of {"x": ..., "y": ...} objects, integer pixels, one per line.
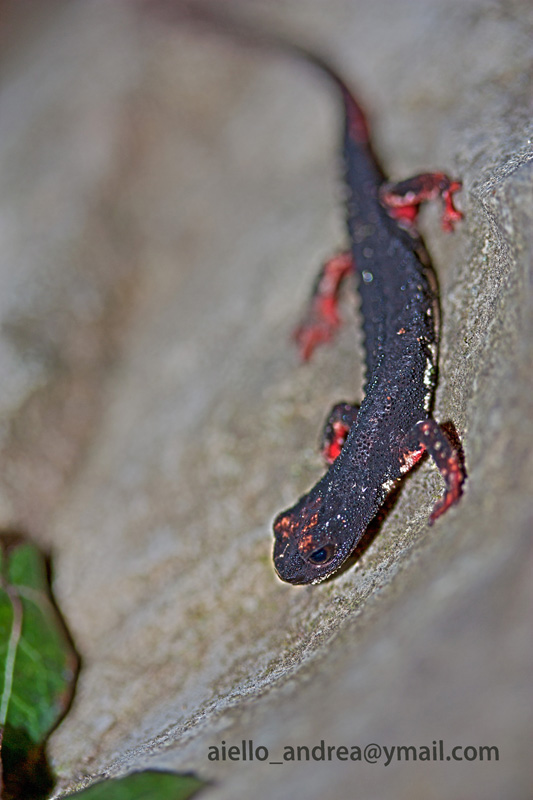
[
  {"x": 428, "y": 435},
  {"x": 403, "y": 199},
  {"x": 338, "y": 425}
]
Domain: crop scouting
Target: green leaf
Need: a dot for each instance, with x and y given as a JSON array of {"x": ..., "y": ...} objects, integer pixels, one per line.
[
  {"x": 148, "y": 785},
  {"x": 37, "y": 661}
]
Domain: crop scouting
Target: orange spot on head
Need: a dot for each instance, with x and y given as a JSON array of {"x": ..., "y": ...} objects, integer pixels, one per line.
[
  {"x": 306, "y": 543},
  {"x": 284, "y": 526}
]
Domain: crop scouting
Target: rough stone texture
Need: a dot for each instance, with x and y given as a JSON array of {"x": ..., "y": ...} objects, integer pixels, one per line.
[{"x": 167, "y": 198}]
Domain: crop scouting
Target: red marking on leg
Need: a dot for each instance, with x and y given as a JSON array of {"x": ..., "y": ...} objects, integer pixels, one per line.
[
  {"x": 454, "y": 477},
  {"x": 411, "y": 458},
  {"x": 405, "y": 214},
  {"x": 322, "y": 319},
  {"x": 318, "y": 328},
  {"x": 338, "y": 425},
  {"x": 451, "y": 214},
  {"x": 403, "y": 199},
  {"x": 333, "y": 448},
  {"x": 428, "y": 435}
]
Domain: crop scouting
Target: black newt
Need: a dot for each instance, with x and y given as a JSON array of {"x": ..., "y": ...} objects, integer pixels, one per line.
[{"x": 371, "y": 446}]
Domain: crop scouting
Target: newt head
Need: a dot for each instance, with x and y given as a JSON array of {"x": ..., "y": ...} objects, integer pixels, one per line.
[{"x": 311, "y": 541}]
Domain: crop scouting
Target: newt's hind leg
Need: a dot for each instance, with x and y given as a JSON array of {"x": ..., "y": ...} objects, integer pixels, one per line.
[
  {"x": 404, "y": 199},
  {"x": 338, "y": 425},
  {"x": 322, "y": 318},
  {"x": 428, "y": 435}
]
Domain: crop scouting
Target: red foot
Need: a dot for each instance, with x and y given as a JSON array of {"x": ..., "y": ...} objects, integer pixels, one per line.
[
  {"x": 404, "y": 199},
  {"x": 428, "y": 435},
  {"x": 322, "y": 319},
  {"x": 454, "y": 483}
]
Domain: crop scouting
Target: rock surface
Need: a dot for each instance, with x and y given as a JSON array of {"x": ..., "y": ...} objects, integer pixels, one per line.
[{"x": 167, "y": 199}]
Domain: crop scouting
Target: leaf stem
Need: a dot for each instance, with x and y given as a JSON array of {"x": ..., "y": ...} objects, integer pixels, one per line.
[{"x": 16, "y": 629}]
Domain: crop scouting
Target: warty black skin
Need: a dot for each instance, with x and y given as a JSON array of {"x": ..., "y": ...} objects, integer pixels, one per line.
[{"x": 398, "y": 306}]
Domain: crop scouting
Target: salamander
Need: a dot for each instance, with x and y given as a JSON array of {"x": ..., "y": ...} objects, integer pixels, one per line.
[
  {"x": 368, "y": 447},
  {"x": 371, "y": 446}
]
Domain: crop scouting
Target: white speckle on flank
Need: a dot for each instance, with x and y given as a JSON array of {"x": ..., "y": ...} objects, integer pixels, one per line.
[{"x": 428, "y": 373}]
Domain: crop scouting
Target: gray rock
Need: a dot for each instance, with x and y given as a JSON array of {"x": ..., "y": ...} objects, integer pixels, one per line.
[{"x": 171, "y": 199}]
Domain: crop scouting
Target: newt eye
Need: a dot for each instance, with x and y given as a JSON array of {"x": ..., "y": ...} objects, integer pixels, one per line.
[{"x": 322, "y": 556}]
